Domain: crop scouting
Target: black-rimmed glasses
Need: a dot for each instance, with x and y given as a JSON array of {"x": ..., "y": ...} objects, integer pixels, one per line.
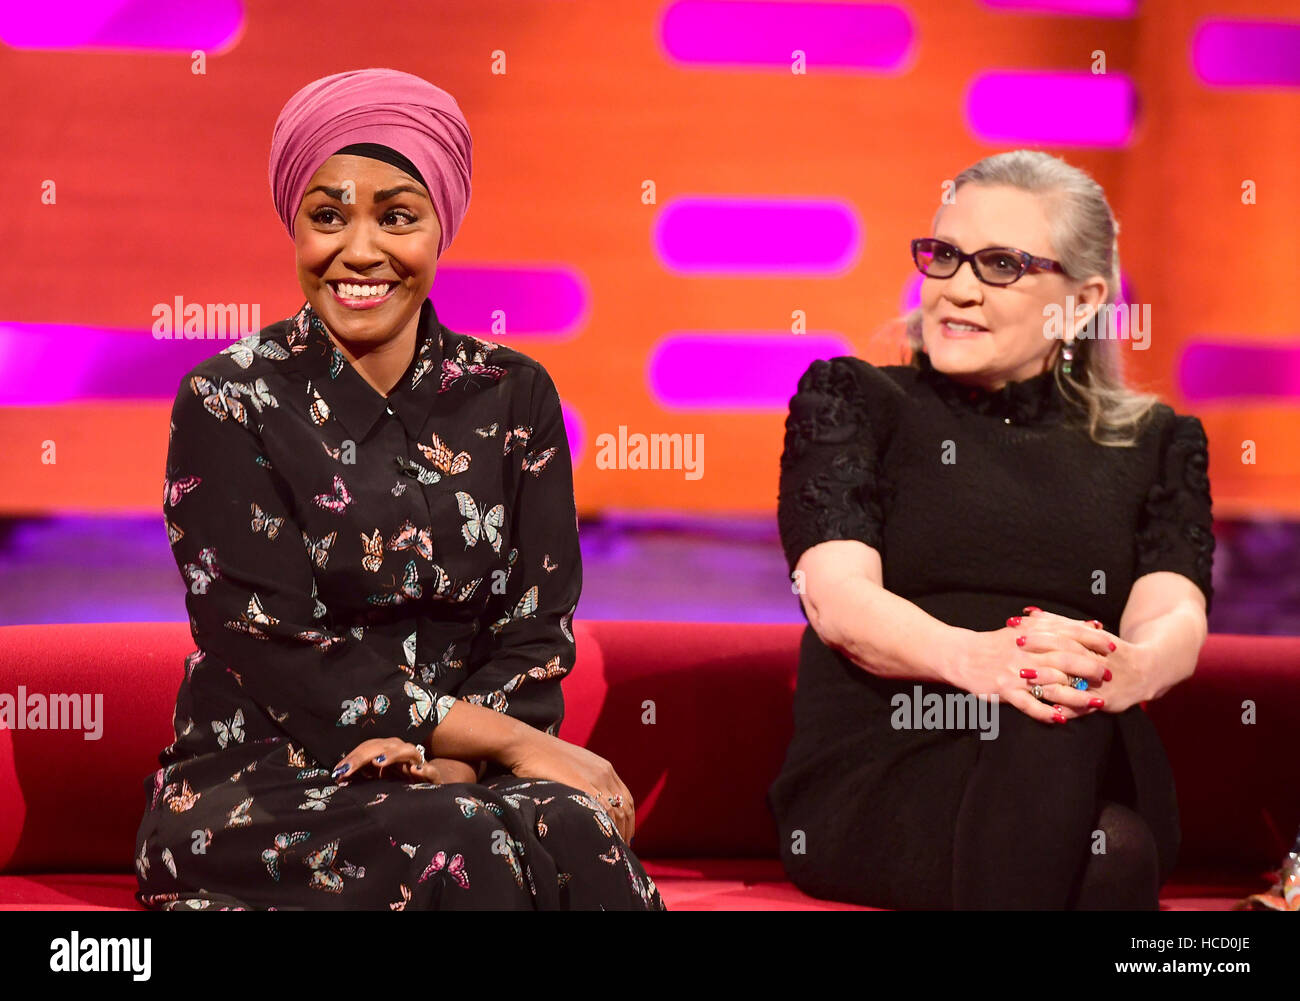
[{"x": 992, "y": 265}]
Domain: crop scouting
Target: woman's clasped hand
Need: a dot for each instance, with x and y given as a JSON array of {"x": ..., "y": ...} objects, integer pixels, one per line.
[{"x": 1050, "y": 651}]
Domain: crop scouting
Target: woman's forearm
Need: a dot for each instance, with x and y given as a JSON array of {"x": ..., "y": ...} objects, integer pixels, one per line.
[
  {"x": 1171, "y": 645},
  {"x": 472, "y": 732},
  {"x": 882, "y": 632}
]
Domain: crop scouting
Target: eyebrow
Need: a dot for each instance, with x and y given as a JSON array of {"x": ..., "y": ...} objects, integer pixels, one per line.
[{"x": 380, "y": 196}]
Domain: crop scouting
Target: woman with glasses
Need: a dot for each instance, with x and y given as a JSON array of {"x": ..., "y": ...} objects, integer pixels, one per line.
[{"x": 1002, "y": 552}]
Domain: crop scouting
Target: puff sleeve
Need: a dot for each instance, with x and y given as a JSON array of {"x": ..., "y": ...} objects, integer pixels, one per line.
[
  {"x": 1175, "y": 525},
  {"x": 529, "y": 644},
  {"x": 830, "y": 479},
  {"x": 250, "y": 593}
]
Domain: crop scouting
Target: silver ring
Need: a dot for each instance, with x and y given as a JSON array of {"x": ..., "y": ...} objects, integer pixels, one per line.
[
  {"x": 419, "y": 753},
  {"x": 1037, "y": 691}
]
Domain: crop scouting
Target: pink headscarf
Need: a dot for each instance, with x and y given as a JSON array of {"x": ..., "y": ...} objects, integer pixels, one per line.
[{"x": 400, "y": 110}]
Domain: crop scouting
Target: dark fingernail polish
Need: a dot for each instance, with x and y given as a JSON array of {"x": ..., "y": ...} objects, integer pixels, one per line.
[
  {"x": 340, "y": 770},
  {"x": 380, "y": 760},
  {"x": 1096, "y": 703},
  {"x": 1029, "y": 672}
]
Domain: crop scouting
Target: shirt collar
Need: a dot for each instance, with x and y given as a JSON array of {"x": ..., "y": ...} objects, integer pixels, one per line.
[
  {"x": 1026, "y": 401},
  {"x": 346, "y": 394}
]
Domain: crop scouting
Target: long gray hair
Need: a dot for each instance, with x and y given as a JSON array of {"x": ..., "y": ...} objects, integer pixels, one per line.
[{"x": 1085, "y": 239}]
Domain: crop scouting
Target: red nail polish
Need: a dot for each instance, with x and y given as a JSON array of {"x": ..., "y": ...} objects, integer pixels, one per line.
[
  {"x": 1058, "y": 718},
  {"x": 1107, "y": 675},
  {"x": 1029, "y": 672},
  {"x": 1014, "y": 620},
  {"x": 1020, "y": 640},
  {"x": 1096, "y": 703},
  {"x": 1030, "y": 609},
  {"x": 1110, "y": 644}
]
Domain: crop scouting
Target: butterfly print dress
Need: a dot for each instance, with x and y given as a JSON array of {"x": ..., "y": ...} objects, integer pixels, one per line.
[{"x": 355, "y": 565}]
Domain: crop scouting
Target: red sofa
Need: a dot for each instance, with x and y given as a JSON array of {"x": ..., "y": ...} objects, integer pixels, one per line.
[{"x": 721, "y": 692}]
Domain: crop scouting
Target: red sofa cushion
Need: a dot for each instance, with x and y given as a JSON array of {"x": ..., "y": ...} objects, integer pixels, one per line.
[{"x": 720, "y": 696}]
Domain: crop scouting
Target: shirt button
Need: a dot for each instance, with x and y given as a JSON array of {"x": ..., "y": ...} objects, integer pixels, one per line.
[{"x": 1006, "y": 420}]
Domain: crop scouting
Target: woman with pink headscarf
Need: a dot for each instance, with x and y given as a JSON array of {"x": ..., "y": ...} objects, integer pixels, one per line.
[{"x": 375, "y": 521}]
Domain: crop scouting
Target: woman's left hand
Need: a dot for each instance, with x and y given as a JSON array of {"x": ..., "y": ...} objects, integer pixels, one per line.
[
  {"x": 1127, "y": 662},
  {"x": 406, "y": 758}
]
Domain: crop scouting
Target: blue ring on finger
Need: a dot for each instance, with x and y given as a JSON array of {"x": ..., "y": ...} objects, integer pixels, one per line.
[{"x": 1080, "y": 683}]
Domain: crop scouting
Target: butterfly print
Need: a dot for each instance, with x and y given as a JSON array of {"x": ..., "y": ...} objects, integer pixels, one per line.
[
  {"x": 410, "y": 588},
  {"x": 337, "y": 361},
  {"x": 535, "y": 462},
  {"x": 372, "y": 547},
  {"x": 182, "y": 799},
  {"x": 423, "y": 704},
  {"x": 525, "y": 609},
  {"x": 142, "y": 861},
  {"x": 515, "y": 437},
  {"x": 399, "y": 488},
  {"x": 319, "y": 411},
  {"x": 410, "y": 537},
  {"x": 489, "y": 431},
  {"x": 174, "y": 490},
  {"x": 443, "y": 458},
  {"x": 463, "y": 366},
  {"x": 238, "y": 816},
  {"x": 360, "y": 709},
  {"x": 263, "y": 521},
  {"x": 455, "y": 868},
  {"x": 409, "y": 849},
  {"x": 551, "y": 669},
  {"x": 485, "y": 524},
  {"x": 430, "y": 675},
  {"x": 548, "y": 564},
  {"x": 169, "y": 861},
  {"x": 319, "y": 549},
  {"x": 317, "y": 799},
  {"x": 296, "y": 757},
  {"x": 602, "y": 818},
  {"x": 336, "y": 501},
  {"x": 412, "y": 468},
  {"x": 272, "y": 857},
  {"x": 229, "y": 730},
  {"x": 221, "y": 401},
  {"x": 400, "y": 905},
  {"x": 323, "y": 874},
  {"x": 252, "y": 619},
  {"x": 200, "y": 577},
  {"x": 244, "y": 350},
  {"x": 566, "y": 624},
  {"x": 174, "y": 532},
  {"x": 325, "y": 642}
]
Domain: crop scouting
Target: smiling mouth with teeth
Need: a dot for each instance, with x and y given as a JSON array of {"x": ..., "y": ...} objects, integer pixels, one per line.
[{"x": 354, "y": 290}]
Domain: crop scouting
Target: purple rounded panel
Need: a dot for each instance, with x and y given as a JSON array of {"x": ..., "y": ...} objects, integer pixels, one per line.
[
  {"x": 1052, "y": 109},
  {"x": 1229, "y": 53},
  {"x": 845, "y": 37},
  {"x": 714, "y": 371},
  {"x": 735, "y": 236},
  {"x": 504, "y": 302},
  {"x": 161, "y": 25}
]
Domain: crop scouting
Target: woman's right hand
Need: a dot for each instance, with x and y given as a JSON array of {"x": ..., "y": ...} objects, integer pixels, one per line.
[
  {"x": 538, "y": 755},
  {"x": 991, "y": 662}
]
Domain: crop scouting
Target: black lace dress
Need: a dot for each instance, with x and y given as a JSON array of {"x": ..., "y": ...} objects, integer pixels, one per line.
[{"x": 980, "y": 503}]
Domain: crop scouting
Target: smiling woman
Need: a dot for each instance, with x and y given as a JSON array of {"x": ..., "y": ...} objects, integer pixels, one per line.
[{"x": 375, "y": 521}]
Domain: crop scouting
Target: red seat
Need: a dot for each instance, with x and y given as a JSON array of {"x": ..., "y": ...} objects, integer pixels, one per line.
[{"x": 695, "y": 718}]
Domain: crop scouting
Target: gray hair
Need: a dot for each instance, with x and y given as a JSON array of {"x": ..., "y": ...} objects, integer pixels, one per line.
[{"x": 1085, "y": 239}]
